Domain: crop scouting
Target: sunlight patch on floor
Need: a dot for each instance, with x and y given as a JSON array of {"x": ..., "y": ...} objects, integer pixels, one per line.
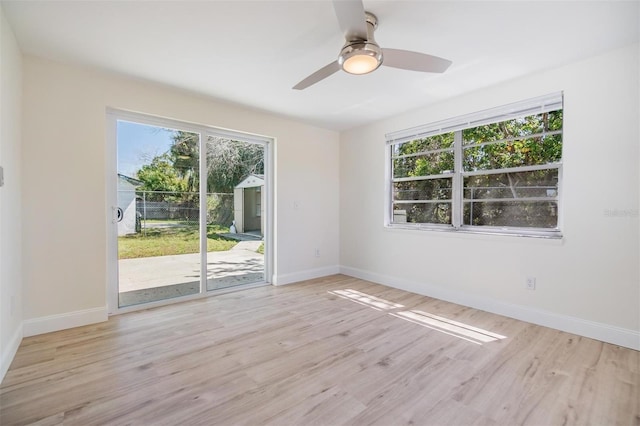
[
  {"x": 447, "y": 326},
  {"x": 367, "y": 299},
  {"x": 434, "y": 322}
]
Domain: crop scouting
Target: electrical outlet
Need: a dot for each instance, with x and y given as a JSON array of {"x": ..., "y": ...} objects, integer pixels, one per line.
[
  {"x": 530, "y": 283},
  {"x": 317, "y": 252}
]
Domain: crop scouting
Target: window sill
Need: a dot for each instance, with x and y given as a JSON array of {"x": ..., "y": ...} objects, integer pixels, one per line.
[{"x": 499, "y": 232}]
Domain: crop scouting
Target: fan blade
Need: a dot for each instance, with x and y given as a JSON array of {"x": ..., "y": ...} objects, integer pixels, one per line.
[
  {"x": 414, "y": 61},
  {"x": 319, "y": 75},
  {"x": 351, "y": 19}
]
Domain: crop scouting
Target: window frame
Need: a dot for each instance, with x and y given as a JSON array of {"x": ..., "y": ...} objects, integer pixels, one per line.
[
  {"x": 456, "y": 125},
  {"x": 112, "y": 117}
]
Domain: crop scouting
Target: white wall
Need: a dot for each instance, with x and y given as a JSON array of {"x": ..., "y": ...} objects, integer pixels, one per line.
[
  {"x": 64, "y": 140},
  {"x": 10, "y": 196},
  {"x": 589, "y": 282}
]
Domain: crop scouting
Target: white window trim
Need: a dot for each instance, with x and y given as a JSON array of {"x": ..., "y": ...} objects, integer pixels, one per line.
[{"x": 538, "y": 105}]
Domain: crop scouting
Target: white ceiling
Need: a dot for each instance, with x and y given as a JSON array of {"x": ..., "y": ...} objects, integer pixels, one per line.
[{"x": 253, "y": 52}]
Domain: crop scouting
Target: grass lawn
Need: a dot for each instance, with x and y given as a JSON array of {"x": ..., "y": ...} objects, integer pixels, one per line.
[{"x": 169, "y": 241}]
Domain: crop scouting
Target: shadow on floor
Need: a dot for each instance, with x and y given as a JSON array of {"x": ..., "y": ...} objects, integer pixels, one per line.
[
  {"x": 155, "y": 294},
  {"x": 247, "y": 236}
]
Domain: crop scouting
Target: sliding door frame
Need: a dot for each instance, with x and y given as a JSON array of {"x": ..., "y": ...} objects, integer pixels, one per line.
[{"x": 204, "y": 131}]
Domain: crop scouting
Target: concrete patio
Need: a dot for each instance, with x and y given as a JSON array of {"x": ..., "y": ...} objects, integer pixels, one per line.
[{"x": 156, "y": 278}]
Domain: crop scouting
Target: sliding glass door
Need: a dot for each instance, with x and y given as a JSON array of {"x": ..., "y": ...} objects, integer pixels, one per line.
[{"x": 187, "y": 223}]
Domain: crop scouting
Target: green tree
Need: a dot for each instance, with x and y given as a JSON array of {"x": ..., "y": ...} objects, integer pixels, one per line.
[
  {"x": 230, "y": 161},
  {"x": 159, "y": 175},
  {"x": 185, "y": 159}
]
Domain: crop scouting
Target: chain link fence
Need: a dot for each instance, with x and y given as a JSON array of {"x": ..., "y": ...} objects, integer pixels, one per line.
[{"x": 156, "y": 209}]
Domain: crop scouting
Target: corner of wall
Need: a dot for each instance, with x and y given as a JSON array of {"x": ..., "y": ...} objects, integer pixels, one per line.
[
  {"x": 9, "y": 351},
  {"x": 11, "y": 276}
]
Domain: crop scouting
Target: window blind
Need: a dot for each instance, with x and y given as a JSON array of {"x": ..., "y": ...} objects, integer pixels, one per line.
[{"x": 538, "y": 105}]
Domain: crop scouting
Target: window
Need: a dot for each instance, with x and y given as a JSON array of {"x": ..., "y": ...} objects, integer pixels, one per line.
[{"x": 495, "y": 171}]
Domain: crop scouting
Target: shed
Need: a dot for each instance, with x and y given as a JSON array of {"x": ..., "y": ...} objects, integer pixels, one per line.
[
  {"x": 248, "y": 204},
  {"x": 127, "y": 204}
]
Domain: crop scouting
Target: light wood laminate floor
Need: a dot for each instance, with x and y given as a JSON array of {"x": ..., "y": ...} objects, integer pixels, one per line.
[{"x": 331, "y": 351}]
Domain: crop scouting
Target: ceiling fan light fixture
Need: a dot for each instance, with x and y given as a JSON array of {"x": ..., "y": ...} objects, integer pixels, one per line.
[{"x": 360, "y": 58}]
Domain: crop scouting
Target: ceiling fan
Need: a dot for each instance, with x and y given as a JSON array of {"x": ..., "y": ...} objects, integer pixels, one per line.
[{"x": 362, "y": 55}]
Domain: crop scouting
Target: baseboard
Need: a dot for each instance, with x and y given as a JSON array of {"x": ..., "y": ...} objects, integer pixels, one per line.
[
  {"x": 9, "y": 351},
  {"x": 309, "y": 274},
  {"x": 58, "y": 322},
  {"x": 594, "y": 330}
]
